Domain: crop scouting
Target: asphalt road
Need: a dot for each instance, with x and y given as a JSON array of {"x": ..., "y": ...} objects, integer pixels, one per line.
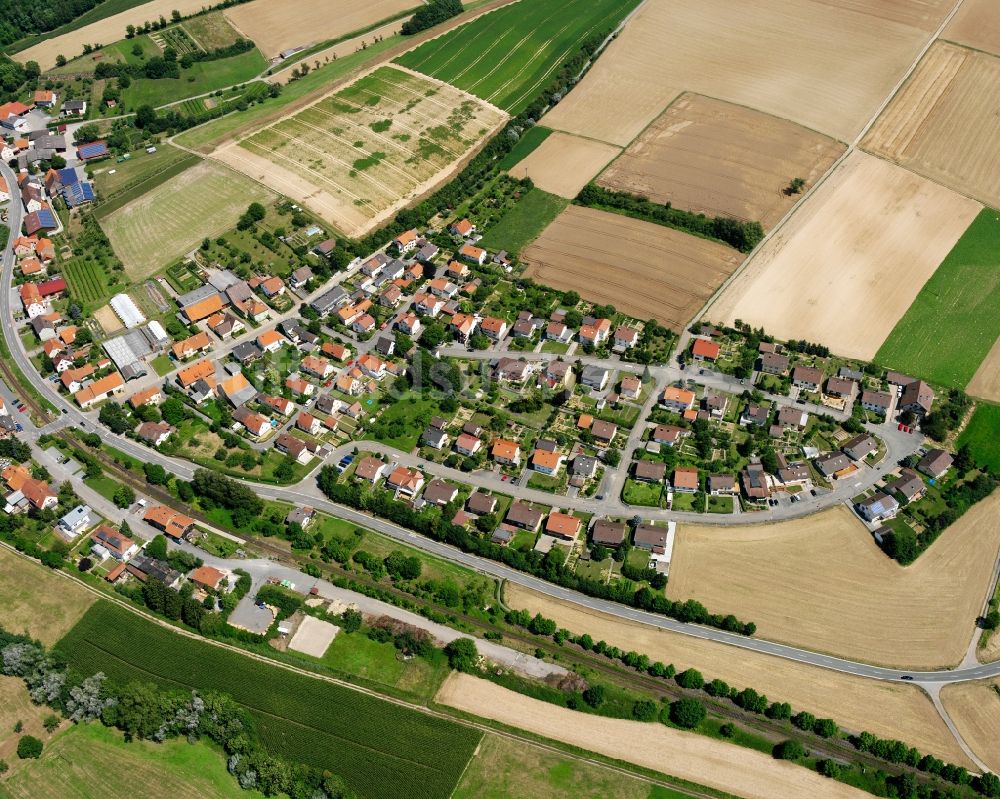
[{"x": 311, "y": 497}]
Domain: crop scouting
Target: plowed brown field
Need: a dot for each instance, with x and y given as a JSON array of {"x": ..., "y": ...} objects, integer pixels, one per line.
[
  {"x": 824, "y": 65},
  {"x": 944, "y": 123},
  {"x": 697, "y": 758},
  {"x": 848, "y": 264},
  {"x": 974, "y": 707},
  {"x": 645, "y": 270},
  {"x": 821, "y": 583},
  {"x": 977, "y": 24},
  {"x": 889, "y": 710},
  {"x": 720, "y": 159},
  {"x": 276, "y": 25}
]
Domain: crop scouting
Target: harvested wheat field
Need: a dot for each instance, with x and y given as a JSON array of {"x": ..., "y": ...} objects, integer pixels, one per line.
[
  {"x": 824, "y": 65},
  {"x": 889, "y": 710},
  {"x": 977, "y": 25},
  {"x": 720, "y": 159},
  {"x": 645, "y": 270},
  {"x": 702, "y": 760},
  {"x": 277, "y": 25},
  {"x": 848, "y": 264},
  {"x": 360, "y": 154},
  {"x": 944, "y": 123},
  {"x": 564, "y": 164},
  {"x": 974, "y": 708},
  {"x": 37, "y": 601},
  {"x": 985, "y": 382},
  {"x": 813, "y": 583},
  {"x": 103, "y": 31}
]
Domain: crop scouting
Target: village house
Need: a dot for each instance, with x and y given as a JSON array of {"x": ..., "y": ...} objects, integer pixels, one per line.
[
  {"x": 148, "y": 396},
  {"x": 755, "y": 415},
  {"x": 523, "y": 515},
  {"x": 336, "y": 351},
  {"x": 299, "y": 387},
  {"x": 772, "y": 363},
  {"x": 651, "y": 538},
  {"x": 207, "y": 578},
  {"x": 317, "y": 367},
  {"x": 860, "y": 447},
  {"x": 909, "y": 485},
  {"x": 405, "y": 241},
  {"x": 604, "y": 432},
  {"x": 705, "y": 350},
  {"x": 476, "y": 255},
  {"x": 506, "y": 453},
  {"x": 715, "y": 404},
  {"x": 511, "y": 370},
  {"x": 595, "y": 333},
  {"x": 435, "y": 438},
  {"x": 650, "y": 471},
  {"x": 463, "y": 228},
  {"x": 833, "y": 464},
  {"x": 917, "y": 397},
  {"x": 99, "y": 390},
  {"x": 300, "y": 277},
  {"x": 293, "y": 447},
  {"x": 935, "y": 463},
  {"x": 625, "y": 338},
  {"x": 686, "y": 480},
  {"x": 154, "y": 433},
  {"x": 493, "y": 328},
  {"x": 562, "y": 525},
  {"x": 807, "y": 378},
  {"x": 668, "y": 434},
  {"x": 630, "y": 387},
  {"x": 117, "y": 546},
  {"x": 678, "y": 399},
  {"x": 876, "y": 401},
  {"x": 405, "y": 481},
  {"x": 840, "y": 388},
  {"x": 467, "y": 444},
  {"x": 721, "y": 485},
  {"x": 878, "y": 507},
  {"x": 607, "y": 533},
  {"x": 370, "y": 469},
  {"x": 791, "y": 418},
  {"x": 439, "y": 492},
  {"x": 794, "y": 474},
  {"x": 755, "y": 483},
  {"x": 546, "y": 462},
  {"x": 173, "y": 524},
  {"x": 308, "y": 423},
  {"x": 255, "y": 424}
]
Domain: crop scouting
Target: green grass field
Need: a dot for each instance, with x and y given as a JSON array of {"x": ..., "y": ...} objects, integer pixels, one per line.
[
  {"x": 138, "y": 171},
  {"x": 524, "y": 222},
  {"x": 379, "y": 748},
  {"x": 173, "y": 218},
  {"x": 80, "y": 758},
  {"x": 201, "y": 77},
  {"x": 953, "y": 322},
  {"x": 530, "y": 140},
  {"x": 640, "y": 493},
  {"x": 509, "y": 55},
  {"x": 982, "y": 434},
  {"x": 211, "y": 31}
]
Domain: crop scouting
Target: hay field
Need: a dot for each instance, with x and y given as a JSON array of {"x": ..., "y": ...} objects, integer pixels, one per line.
[
  {"x": 849, "y": 263},
  {"x": 985, "y": 382},
  {"x": 824, "y": 65},
  {"x": 974, "y": 708},
  {"x": 944, "y": 123},
  {"x": 645, "y": 270},
  {"x": 564, "y": 164},
  {"x": 889, "y": 710},
  {"x": 105, "y": 31},
  {"x": 363, "y": 152},
  {"x": 173, "y": 218},
  {"x": 15, "y": 706},
  {"x": 821, "y": 583},
  {"x": 35, "y": 601},
  {"x": 276, "y": 25},
  {"x": 702, "y": 760},
  {"x": 720, "y": 159},
  {"x": 976, "y": 25}
]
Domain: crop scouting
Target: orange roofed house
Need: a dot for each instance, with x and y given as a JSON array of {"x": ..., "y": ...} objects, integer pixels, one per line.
[
  {"x": 506, "y": 452},
  {"x": 678, "y": 399},
  {"x": 190, "y": 375},
  {"x": 704, "y": 350},
  {"x": 405, "y": 481},
  {"x": 203, "y": 308},
  {"x": 174, "y": 524},
  {"x": 562, "y": 525}
]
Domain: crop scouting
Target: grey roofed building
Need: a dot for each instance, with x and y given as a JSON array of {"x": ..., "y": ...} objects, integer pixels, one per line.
[
  {"x": 222, "y": 279},
  {"x": 794, "y": 473},
  {"x": 608, "y": 533},
  {"x": 76, "y": 106},
  {"x": 239, "y": 292},
  {"x": 648, "y": 536},
  {"x": 481, "y": 503},
  {"x": 196, "y": 295},
  {"x": 935, "y": 463},
  {"x": 426, "y": 251},
  {"x": 523, "y": 515},
  {"x": 839, "y": 387},
  {"x": 848, "y": 373},
  {"x": 439, "y": 492},
  {"x": 128, "y": 348},
  {"x": 755, "y": 414},
  {"x": 134, "y": 371},
  {"x": 300, "y": 516},
  {"x": 878, "y": 401},
  {"x": 897, "y": 379},
  {"x": 326, "y": 403},
  {"x": 330, "y": 300},
  {"x": 301, "y": 276},
  {"x": 434, "y": 437},
  {"x": 832, "y": 462},
  {"x": 859, "y": 447},
  {"x": 49, "y": 142},
  {"x": 909, "y": 484},
  {"x": 584, "y": 466},
  {"x": 247, "y": 352},
  {"x": 721, "y": 484},
  {"x": 594, "y": 376},
  {"x": 385, "y": 345},
  {"x": 877, "y": 507},
  {"x": 145, "y": 568},
  {"x": 650, "y": 470},
  {"x": 773, "y": 364},
  {"x": 546, "y": 445},
  {"x": 917, "y": 397}
]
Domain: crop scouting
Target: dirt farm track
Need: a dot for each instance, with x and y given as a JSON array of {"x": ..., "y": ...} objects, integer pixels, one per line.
[
  {"x": 832, "y": 575},
  {"x": 848, "y": 264},
  {"x": 645, "y": 270}
]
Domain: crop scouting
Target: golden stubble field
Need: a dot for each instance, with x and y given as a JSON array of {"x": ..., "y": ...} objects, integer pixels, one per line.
[
  {"x": 702, "y": 760},
  {"x": 986, "y": 381},
  {"x": 944, "y": 123},
  {"x": 889, "y": 710},
  {"x": 974, "y": 707},
  {"x": 37, "y": 602},
  {"x": 821, "y": 583},
  {"x": 645, "y": 270},
  {"x": 105, "y": 31},
  {"x": 824, "y": 65},
  {"x": 977, "y": 25},
  {"x": 850, "y": 261},
  {"x": 720, "y": 159},
  {"x": 563, "y": 164}
]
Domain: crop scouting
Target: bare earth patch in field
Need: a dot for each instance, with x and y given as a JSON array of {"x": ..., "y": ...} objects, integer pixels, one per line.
[
  {"x": 173, "y": 218},
  {"x": 985, "y": 382},
  {"x": 848, "y": 264},
  {"x": 977, "y": 24},
  {"x": 276, "y": 25},
  {"x": 944, "y": 122},
  {"x": 645, "y": 270},
  {"x": 693, "y": 757},
  {"x": 564, "y": 164},
  {"x": 35, "y": 601},
  {"x": 108, "y": 319},
  {"x": 360, "y": 154},
  {"x": 889, "y": 710},
  {"x": 974, "y": 708},
  {"x": 816, "y": 582},
  {"x": 103, "y": 31},
  {"x": 720, "y": 159},
  {"x": 824, "y": 65}
]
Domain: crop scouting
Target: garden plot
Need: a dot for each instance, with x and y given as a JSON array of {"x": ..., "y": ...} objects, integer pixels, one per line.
[
  {"x": 720, "y": 159},
  {"x": 357, "y": 156},
  {"x": 824, "y": 65},
  {"x": 944, "y": 123},
  {"x": 850, "y": 262},
  {"x": 644, "y": 270}
]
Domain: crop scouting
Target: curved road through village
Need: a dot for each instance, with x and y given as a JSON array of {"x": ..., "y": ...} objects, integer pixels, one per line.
[{"x": 307, "y": 493}]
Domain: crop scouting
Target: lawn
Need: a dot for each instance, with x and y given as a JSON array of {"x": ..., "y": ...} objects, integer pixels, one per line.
[
  {"x": 530, "y": 140},
  {"x": 163, "y": 365},
  {"x": 201, "y": 77},
  {"x": 639, "y": 493},
  {"x": 174, "y": 217},
  {"x": 402, "y": 423},
  {"x": 142, "y": 171},
  {"x": 953, "y": 322},
  {"x": 211, "y": 31},
  {"x": 982, "y": 434},
  {"x": 686, "y": 502},
  {"x": 558, "y": 347},
  {"x": 504, "y": 768},
  {"x": 103, "y": 485},
  {"x": 380, "y": 749},
  {"x": 524, "y": 222},
  {"x": 720, "y": 504},
  {"x": 509, "y": 55},
  {"x": 79, "y": 758},
  {"x": 545, "y": 482}
]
